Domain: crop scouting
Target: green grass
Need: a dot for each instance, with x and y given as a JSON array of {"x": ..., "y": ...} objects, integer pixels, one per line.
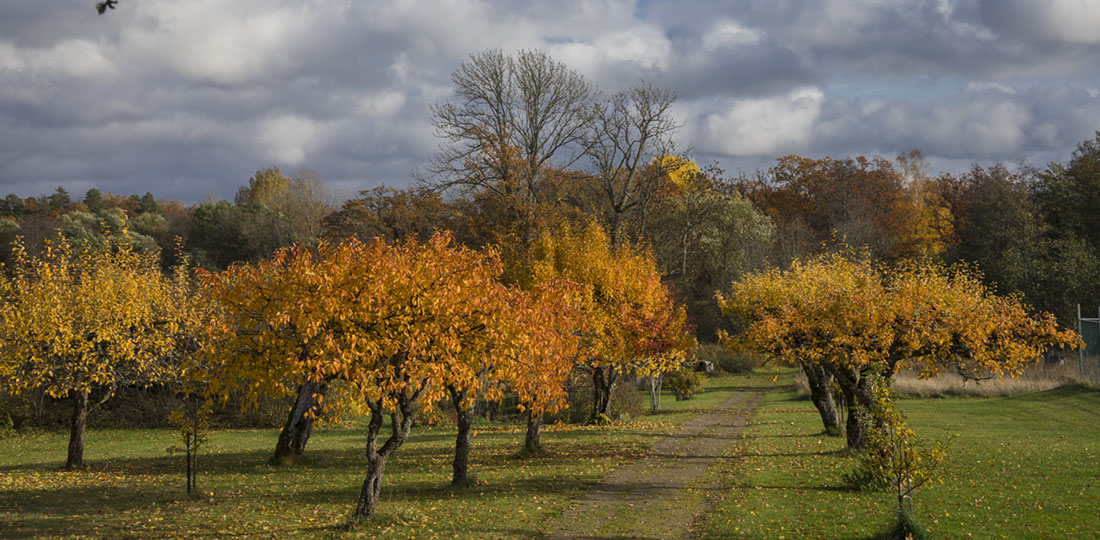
[
  {"x": 1021, "y": 467},
  {"x": 133, "y": 489}
]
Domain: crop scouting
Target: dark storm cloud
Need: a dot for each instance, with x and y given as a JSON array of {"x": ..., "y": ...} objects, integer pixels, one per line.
[{"x": 189, "y": 98}]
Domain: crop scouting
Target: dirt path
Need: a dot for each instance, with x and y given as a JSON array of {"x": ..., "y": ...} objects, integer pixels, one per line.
[{"x": 658, "y": 497}]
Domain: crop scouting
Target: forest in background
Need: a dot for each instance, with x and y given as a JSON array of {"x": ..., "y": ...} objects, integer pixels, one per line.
[{"x": 1029, "y": 231}]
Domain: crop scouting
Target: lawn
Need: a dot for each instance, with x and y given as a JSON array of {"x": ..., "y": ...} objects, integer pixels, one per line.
[
  {"x": 134, "y": 489},
  {"x": 1021, "y": 467}
]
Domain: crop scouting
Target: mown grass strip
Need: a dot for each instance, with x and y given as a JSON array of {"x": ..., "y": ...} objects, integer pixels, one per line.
[{"x": 1022, "y": 467}]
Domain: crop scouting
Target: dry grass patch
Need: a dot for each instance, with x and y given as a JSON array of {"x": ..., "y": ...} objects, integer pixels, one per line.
[{"x": 1038, "y": 378}]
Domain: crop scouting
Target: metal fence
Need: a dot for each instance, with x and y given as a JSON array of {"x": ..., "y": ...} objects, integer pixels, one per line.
[{"x": 1089, "y": 356}]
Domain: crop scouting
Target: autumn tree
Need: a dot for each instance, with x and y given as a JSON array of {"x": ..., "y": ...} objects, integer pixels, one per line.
[
  {"x": 392, "y": 214},
  {"x": 544, "y": 350},
  {"x": 83, "y": 321},
  {"x": 873, "y": 204},
  {"x": 632, "y": 324},
  {"x": 704, "y": 236},
  {"x": 858, "y": 323},
  {"x": 302, "y": 199},
  {"x": 399, "y": 325},
  {"x": 271, "y": 312}
]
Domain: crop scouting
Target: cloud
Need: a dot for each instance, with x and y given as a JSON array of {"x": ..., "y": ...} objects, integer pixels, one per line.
[
  {"x": 186, "y": 98},
  {"x": 1066, "y": 21},
  {"x": 978, "y": 124},
  {"x": 755, "y": 126}
]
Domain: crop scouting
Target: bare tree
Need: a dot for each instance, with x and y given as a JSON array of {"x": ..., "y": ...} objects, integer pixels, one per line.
[
  {"x": 514, "y": 116},
  {"x": 631, "y": 130}
]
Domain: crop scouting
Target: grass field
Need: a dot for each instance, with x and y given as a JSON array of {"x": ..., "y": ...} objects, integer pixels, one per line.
[
  {"x": 133, "y": 489},
  {"x": 1022, "y": 467}
]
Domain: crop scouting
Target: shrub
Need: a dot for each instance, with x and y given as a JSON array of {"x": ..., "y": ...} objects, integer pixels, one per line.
[
  {"x": 626, "y": 401},
  {"x": 685, "y": 383},
  {"x": 723, "y": 358}
]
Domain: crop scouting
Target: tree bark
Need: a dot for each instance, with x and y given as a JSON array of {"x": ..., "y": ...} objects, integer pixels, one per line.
[
  {"x": 858, "y": 418},
  {"x": 602, "y": 383},
  {"x": 299, "y": 423},
  {"x": 655, "y": 383},
  {"x": 377, "y": 457},
  {"x": 822, "y": 397},
  {"x": 462, "y": 441},
  {"x": 858, "y": 401},
  {"x": 76, "y": 434},
  {"x": 532, "y": 442}
]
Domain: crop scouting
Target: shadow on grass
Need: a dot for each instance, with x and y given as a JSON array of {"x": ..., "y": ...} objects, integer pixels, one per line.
[
  {"x": 783, "y": 436},
  {"x": 841, "y": 452},
  {"x": 422, "y": 492},
  {"x": 72, "y": 501},
  {"x": 826, "y": 489}
]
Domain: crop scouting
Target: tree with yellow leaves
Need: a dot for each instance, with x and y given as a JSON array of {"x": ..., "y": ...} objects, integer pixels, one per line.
[
  {"x": 83, "y": 321},
  {"x": 543, "y": 351},
  {"x": 857, "y": 322},
  {"x": 631, "y": 323}
]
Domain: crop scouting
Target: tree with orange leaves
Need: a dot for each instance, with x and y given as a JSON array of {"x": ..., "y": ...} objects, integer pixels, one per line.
[{"x": 400, "y": 325}]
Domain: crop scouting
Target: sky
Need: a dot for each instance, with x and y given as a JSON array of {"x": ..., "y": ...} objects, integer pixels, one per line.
[{"x": 188, "y": 98}]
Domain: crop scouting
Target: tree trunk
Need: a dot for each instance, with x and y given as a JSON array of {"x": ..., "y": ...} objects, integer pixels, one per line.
[
  {"x": 462, "y": 442},
  {"x": 615, "y": 231},
  {"x": 299, "y": 423},
  {"x": 822, "y": 397},
  {"x": 858, "y": 419},
  {"x": 655, "y": 392},
  {"x": 401, "y": 424},
  {"x": 854, "y": 385},
  {"x": 76, "y": 434},
  {"x": 532, "y": 442},
  {"x": 602, "y": 383}
]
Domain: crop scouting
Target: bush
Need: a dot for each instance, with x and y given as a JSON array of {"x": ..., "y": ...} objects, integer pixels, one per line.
[
  {"x": 723, "y": 358},
  {"x": 685, "y": 383},
  {"x": 626, "y": 401}
]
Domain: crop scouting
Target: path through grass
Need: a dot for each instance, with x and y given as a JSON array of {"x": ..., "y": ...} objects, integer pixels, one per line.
[{"x": 133, "y": 489}]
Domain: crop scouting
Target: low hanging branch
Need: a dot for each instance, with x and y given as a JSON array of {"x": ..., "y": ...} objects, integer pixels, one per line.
[{"x": 102, "y": 7}]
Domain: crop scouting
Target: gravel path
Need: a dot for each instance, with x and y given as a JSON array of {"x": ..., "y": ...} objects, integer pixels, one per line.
[{"x": 658, "y": 497}]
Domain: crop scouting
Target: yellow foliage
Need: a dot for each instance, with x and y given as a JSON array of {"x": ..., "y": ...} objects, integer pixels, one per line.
[
  {"x": 853, "y": 315},
  {"x": 680, "y": 172},
  {"x": 81, "y": 319},
  {"x": 630, "y": 322}
]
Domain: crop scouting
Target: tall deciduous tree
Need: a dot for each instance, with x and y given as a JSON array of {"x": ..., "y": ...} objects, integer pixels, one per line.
[
  {"x": 704, "y": 236},
  {"x": 515, "y": 116},
  {"x": 302, "y": 199},
  {"x": 632, "y": 128},
  {"x": 81, "y": 322}
]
